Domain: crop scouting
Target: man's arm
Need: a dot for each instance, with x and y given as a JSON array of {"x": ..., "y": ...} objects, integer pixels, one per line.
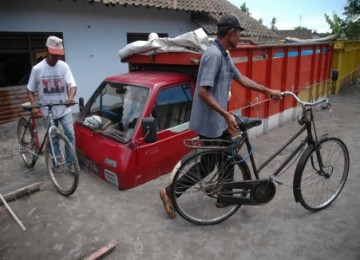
[
  {"x": 71, "y": 95},
  {"x": 31, "y": 97},
  {"x": 35, "y": 112},
  {"x": 206, "y": 96}
]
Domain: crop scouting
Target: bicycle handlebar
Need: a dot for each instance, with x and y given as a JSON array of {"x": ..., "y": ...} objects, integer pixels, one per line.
[
  {"x": 326, "y": 101},
  {"x": 28, "y": 106}
]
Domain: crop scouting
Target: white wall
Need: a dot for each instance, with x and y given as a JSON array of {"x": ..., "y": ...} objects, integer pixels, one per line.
[{"x": 93, "y": 33}]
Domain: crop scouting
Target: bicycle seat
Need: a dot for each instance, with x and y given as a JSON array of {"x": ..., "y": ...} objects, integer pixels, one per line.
[
  {"x": 26, "y": 106},
  {"x": 246, "y": 123}
]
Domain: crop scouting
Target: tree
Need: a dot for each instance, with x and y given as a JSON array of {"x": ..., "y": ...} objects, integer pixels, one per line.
[
  {"x": 261, "y": 20},
  {"x": 352, "y": 21},
  {"x": 336, "y": 24},
  {"x": 272, "y": 24},
  {"x": 351, "y": 25},
  {"x": 299, "y": 28},
  {"x": 245, "y": 9},
  {"x": 352, "y": 10}
]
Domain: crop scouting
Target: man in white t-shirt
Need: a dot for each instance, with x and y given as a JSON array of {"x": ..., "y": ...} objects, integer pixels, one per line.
[{"x": 54, "y": 82}]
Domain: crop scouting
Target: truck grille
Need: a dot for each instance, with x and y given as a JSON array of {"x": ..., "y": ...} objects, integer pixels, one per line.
[{"x": 111, "y": 177}]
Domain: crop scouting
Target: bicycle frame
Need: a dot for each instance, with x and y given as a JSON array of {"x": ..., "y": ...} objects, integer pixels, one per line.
[
  {"x": 31, "y": 122},
  {"x": 263, "y": 190},
  {"x": 308, "y": 139}
]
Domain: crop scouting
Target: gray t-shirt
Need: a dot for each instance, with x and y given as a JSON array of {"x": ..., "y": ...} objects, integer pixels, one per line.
[{"x": 216, "y": 71}]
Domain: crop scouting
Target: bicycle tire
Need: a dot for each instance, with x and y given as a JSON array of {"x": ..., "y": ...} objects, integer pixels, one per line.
[
  {"x": 198, "y": 203},
  {"x": 65, "y": 177},
  {"x": 26, "y": 139},
  {"x": 316, "y": 190}
]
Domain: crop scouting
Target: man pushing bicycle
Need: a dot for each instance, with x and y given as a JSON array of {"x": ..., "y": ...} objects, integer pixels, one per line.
[
  {"x": 209, "y": 116},
  {"x": 54, "y": 82}
]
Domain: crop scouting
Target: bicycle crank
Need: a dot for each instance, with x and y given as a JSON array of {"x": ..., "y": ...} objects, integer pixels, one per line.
[{"x": 248, "y": 192}]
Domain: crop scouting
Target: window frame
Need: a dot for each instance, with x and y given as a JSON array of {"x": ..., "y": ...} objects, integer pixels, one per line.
[
  {"x": 170, "y": 106},
  {"x": 25, "y": 47},
  {"x": 133, "y": 37}
]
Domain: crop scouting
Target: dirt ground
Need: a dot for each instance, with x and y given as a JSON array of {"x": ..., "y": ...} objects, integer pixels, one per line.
[{"x": 71, "y": 228}]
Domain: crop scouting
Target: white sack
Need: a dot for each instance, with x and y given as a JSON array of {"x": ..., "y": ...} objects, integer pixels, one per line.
[{"x": 195, "y": 41}]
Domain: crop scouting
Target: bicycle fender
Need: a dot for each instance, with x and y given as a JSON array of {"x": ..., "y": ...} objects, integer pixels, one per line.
[
  {"x": 179, "y": 163},
  {"x": 53, "y": 129},
  {"x": 193, "y": 153},
  {"x": 298, "y": 170}
]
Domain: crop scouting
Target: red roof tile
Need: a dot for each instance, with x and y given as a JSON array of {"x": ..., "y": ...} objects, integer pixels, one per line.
[{"x": 205, "y": 14}]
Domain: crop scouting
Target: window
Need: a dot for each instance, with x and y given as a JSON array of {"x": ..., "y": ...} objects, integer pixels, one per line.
[
  {"x": 119, "y": 107},
  {"x": 18, "y": 53},
  {"x": 133, "y": 37},
  {"x": 173, "y": 107}
]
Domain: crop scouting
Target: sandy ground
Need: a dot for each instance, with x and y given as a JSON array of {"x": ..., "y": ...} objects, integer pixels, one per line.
[{"x": 70, "y": 228}]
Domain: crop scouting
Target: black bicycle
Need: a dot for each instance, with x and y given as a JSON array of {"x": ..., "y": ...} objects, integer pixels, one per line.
[
  {"x": 211, "y": 183},
  {"x": 60, "y": 154}
]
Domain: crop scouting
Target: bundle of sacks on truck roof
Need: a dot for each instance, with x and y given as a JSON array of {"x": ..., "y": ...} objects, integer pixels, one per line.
[{"x": 194, "y": 41}]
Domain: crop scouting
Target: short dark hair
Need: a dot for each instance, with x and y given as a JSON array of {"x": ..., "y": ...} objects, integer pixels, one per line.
[
  {"x": 222, "y": 31},
  {"x": 226, "y": 23}
]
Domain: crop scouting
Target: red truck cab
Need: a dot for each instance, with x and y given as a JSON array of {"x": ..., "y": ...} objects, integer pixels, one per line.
[{"x": 143, "y": 118}]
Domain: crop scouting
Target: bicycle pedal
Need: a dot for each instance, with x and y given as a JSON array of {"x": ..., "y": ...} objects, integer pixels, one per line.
[{"x": 276, "y": 180}]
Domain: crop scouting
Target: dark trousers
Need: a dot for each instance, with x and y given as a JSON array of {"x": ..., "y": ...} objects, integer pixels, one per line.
[{"x": 206, "y": 166}]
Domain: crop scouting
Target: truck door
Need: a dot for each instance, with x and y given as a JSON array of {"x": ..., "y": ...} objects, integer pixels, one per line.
[{"x": 172, "y": 113}]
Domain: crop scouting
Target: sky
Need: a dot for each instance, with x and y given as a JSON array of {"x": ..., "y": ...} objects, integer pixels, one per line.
[{"x": 292, "y": 13}]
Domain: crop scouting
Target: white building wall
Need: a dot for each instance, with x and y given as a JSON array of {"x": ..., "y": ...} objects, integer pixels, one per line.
[{"x": 93, "y": 33}]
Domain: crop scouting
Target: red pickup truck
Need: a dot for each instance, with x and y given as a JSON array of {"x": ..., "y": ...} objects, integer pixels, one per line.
[{"x": 132, "y": 128}]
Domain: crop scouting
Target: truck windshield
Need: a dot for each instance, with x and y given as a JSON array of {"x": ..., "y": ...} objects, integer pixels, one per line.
[{"x": 118, "y": 106}]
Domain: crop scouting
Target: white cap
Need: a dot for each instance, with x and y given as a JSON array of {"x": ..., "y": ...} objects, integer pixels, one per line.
[{"x": 54, "y": 45}]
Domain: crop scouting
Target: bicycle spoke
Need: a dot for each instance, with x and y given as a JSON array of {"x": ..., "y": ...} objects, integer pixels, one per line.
[
  {"x": 317, "y": 187},
  {"x": 62, "y": 164},
  {"x": 197, "y": 184},
  {"x": 27, "y": 148}
]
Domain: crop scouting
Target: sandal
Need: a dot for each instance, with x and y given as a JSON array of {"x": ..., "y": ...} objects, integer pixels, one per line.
[{"x": 168, "y": 206}]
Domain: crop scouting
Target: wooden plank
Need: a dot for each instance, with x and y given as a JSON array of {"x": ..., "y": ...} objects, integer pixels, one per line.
[
  {"x": 9, "y": 110},
  {"x": 27, "y": 190},
  {"x": 12, "y": 213},
  {"x": 11, "y": 101},
  {"x": 102, "y": 251},
  {"x": 13, "y": 115},
  {"x": 4, "y": 121},
  {"x": 6, "y": 93}
]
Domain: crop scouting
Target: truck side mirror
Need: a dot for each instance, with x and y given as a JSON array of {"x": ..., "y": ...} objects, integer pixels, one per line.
[
  {"x": 149, "y": 129},
  {"x": 81, "y": 104}
]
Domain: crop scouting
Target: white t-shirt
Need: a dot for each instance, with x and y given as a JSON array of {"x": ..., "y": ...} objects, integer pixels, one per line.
[{"x": 51, "y": 84}]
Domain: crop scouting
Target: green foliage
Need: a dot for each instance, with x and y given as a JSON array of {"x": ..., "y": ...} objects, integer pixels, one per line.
[
  {"x": 352, "y": 10},
  {"x": 352, "y": 30},
  {"x": 245, "y": 9},
  {"x": 299, "y": 28},
  {"x": 272, "y": 24},
  {"x": 352, "y": 21},
  {"x": 351, "y": 25},
  {"x": 336, "y": 24}
]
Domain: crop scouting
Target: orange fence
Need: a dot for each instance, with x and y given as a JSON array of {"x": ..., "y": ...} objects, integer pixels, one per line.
[{"x": 302, "y": 68}]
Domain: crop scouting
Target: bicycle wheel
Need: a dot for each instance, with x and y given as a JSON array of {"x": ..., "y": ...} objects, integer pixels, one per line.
[
  {"x": 317, "y": 188},
  {"x": 26, "y": 141},
  {"x": 199, "y": 181},
  {"x": 62, "y": 164}
]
